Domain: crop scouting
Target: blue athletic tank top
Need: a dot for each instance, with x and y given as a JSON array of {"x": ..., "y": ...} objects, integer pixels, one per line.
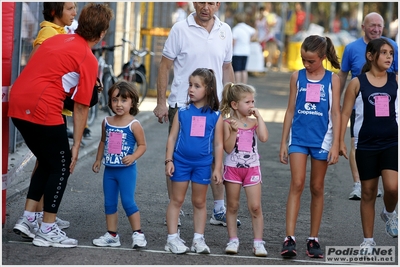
[
  {"x": 127, "y": 145},
  {"x": 191, "y": 149},
  {"x": 312, "y": 124},
  {"x": 372, "y": 132}
]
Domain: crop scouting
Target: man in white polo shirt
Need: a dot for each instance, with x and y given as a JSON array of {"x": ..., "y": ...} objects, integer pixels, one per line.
[{"x": 199, "y": 41}]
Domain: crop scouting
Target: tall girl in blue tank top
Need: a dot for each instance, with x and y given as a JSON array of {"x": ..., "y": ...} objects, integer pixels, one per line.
[
  {"x": 311, "y": 127},
  {"x": 374, "y": 95},
  {"x": 196, "y": 135},
  {"x": 120, "y": 134}
]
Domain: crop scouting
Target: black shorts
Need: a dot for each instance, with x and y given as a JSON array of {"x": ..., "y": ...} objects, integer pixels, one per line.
[
  {"x": 352, "y": 120},
  {"x": 370, "y": 163},
  {"x": 239, "y": 63}
]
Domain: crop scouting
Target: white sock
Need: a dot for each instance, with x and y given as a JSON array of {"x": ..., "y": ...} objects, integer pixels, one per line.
[
  {"x": 30, "y": 215},
  {"x": 389, "y": 213},
  {"x": 197, "y": 236},
  {"x": 172, "y": 236},
  {"x": 219, "y": 204},
  {"x": 313, "y": 238},
  {"x": 369, "y": 239},
  {"x": 46, "y": 227}
]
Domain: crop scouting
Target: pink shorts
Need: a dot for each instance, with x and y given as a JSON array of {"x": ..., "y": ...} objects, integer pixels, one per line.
[{"x": 244, "y": 176}]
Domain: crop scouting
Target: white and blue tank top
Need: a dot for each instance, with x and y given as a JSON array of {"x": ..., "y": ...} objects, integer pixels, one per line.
[
  {"x": 312, "y": 123},
  {"x": 125, "y": 138}
]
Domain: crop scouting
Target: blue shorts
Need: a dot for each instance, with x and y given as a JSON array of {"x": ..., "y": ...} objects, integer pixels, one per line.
[
  {"x": 196, "y": 174},
  {"x": 239, "y": 63},
  {"x": 315, "y": 153}
]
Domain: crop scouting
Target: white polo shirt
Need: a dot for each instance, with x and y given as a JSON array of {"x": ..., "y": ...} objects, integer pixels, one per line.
[{"x": 191, "y": 46}]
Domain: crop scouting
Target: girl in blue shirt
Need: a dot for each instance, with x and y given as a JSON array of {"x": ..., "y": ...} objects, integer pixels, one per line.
[
  {"x": 312, "y": 126},
  {"x": 196, "y": 135}
]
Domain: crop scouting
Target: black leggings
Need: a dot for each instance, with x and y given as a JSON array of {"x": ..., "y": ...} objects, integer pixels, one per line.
[{"x": 51, "y": 147}]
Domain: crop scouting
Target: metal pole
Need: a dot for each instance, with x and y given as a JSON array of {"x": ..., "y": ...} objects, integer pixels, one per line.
[
  {"x": 282, "y": 48},
  {"x": 332, "y": 16}
]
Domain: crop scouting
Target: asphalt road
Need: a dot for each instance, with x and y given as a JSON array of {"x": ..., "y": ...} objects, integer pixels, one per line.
[{"x": 82, "y": 205}]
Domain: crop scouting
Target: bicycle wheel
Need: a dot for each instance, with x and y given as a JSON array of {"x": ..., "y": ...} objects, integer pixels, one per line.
[
  {"x": 108, "y": 81},
  {"x": 92, "y": 115},
  {"x": 141, "y": 87}
]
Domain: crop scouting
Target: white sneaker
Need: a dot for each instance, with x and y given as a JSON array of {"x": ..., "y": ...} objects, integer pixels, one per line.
[
  {"x": 356, "y": 193},
  {"x": 367, "y": 247},
  {"x": 138, "y": 240},
  {"x": 55, "y": 238},
  {"x": 199, "y": 246},
  {"x": 62, "y": 224},
  {"x": 259, "y": 249},
  {"x": 391, "y": 222},
  {"x": 176, "y": 246},
  {"x": 232, "y": 247},
  {"x": 107, "y": 240},
  {"x": 25, "y": 228}
]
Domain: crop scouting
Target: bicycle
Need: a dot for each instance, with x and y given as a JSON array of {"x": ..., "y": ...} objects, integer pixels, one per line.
[
  {"x": 106, "y": 75},
  {"x": 135, "y": 71}
]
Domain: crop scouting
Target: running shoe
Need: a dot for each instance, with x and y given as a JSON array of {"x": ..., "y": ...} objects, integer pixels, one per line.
[
  {"x": 391, "y": 222},
  {"x": 25, "y": 228},
  {"x": 199, "y": 246},
  {"x": 55, "y": 238},
  {"x": 176, "y": 246},
  {"x": 356, "y": 193},
  {"x": 219, "y": 218},
  {"x": 366, "y": 247},
  {"x": 259, "y": 249},
  {"x": 107, "y": 240},
  {"x": 138, "y": 240},
  {"x": 232, "y": 247},
  {"x": 289, "y": 248},
  {"x": 314, "y": 249}
]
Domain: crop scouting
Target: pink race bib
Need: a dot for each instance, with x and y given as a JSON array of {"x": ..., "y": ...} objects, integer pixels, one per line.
[
  {"x": 245, "y": 142},
  {"x": 115, "y": 143},
  {"x": 313, "y": 92},
  {"x": 198, "y": 126},
  {"x": 381, "y": 106}
]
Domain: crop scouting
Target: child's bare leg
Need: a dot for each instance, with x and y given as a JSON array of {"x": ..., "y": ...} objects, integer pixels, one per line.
[
  {"x": 298, "y": 166},
  {"x": 253, "y": 194},
  {"x": 318, "y": 171},
  {"x": 199, "y": 194},
  {"x": 112, "y": 222},
  {"x": 177, "y": 197},
  {"x": 232, "y": 207},
  {"x": 390, "y": 183},
  {"x": 369, "y": 188}
]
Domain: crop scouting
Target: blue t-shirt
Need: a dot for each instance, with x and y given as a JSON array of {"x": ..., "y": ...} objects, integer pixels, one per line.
[
  {"x": 192, "y": 149},
  {"x": 311, "y": 124},
  {"x": 353, "y": 58}
]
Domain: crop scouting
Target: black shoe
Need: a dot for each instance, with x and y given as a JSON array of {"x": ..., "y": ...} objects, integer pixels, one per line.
[
  {"x": 289, "y": 248},
  {"x": 86, "y": 133},
  {"x": 314, "y": 249}
]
